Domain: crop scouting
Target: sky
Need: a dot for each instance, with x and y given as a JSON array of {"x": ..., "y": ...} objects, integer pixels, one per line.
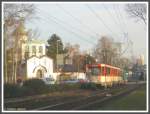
[{"x": 85, "y": 23}]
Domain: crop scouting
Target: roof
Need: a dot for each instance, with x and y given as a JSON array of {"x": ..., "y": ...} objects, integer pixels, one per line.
[
  {"x": 35, "y": 41},
  {"x": 39, "y": 57},
  {"x": 69, "y": 68},
  {"x": 98, "y": 65}
]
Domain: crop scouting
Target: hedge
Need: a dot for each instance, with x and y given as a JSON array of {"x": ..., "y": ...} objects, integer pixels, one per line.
[{"x": 37, "y": 86}]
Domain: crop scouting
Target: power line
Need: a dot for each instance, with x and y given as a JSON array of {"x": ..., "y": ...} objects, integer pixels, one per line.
[
  {"x": 113, "y": 17},
  {"x": 71, "y": 26},
  {"x": 128, "y": 44},
  {"x": 100, "y": 19},
  {"x": 123, "y": 20},
  {"x": 118, "y": 17},
  {"x": 75, "y": 18},
  {"x": 66, "y": 29}
]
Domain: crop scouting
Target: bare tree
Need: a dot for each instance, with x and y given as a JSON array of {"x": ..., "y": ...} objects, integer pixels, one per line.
[
  {"x": 137, "y": 11},
  {"x": 106, "y": 51},
  {"x": 103, "y": 50},
  {"x": 124, "y": 62},
  {"x": 13, "y": 14}
]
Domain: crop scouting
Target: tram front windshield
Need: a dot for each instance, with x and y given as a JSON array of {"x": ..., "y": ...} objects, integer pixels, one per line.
[{"x": 94, "y": 71}]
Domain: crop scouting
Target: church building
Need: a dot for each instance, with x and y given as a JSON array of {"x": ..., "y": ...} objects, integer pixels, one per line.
[
  {"x": 32, "y": 59},
  {"x": 38, "y": 65}
]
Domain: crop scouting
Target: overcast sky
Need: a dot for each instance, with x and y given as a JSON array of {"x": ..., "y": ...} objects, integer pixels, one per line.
[{"x": 84, "y": 24}]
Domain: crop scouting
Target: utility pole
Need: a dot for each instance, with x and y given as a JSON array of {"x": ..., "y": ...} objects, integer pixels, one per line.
[
  {"x": 57, "y": 59},
  {"x": 105, "y": 57},
  {"x": 5, "y": 53},
  {"x": 78, "y": 64}
]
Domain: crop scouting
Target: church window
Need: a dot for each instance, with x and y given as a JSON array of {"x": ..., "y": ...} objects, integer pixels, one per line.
[
  {"x": 33, "y": 50},
  {"x": 26, "y": 48},
  {"x": 40, "y": 49},
  {"x": 26, "y": 55}
]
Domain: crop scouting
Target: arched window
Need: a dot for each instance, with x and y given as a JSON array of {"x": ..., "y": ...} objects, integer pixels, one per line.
[{"x": 39, "y": 73}]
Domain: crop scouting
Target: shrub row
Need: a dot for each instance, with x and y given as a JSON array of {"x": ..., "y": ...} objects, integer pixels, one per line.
[
  {"x": 37, "y": 86},
  {"x": 30, "y": 87},
  {"x": 91, "y": 86}
]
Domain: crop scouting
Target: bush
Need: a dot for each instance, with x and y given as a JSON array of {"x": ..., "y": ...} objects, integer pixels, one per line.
[
  {"x": 64, "y": 87},
  {"x": 99, "y": 86},
  {"x": 11, "y": 90},
  {"x": 35, "y": 86},
  {"x": 30, "y": 87},
  {"x": 88, "y": 86},
  {"x": 70, "y": 86}
]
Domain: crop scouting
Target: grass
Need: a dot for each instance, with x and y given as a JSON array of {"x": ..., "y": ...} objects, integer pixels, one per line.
[{"x": 134, "y": 101}]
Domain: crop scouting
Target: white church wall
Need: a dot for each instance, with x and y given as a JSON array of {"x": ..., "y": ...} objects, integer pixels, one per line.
[
  {"x": 35, "y": 63},
  {"x": 31, "y": 64},
  {"x": 48, "y": 63}
]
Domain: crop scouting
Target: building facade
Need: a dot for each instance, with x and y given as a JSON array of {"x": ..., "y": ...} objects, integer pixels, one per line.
[{"x": 33, "y": 48}]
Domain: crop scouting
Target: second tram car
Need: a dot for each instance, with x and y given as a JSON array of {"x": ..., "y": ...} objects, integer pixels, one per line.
[{"x": 104, "y": 74}]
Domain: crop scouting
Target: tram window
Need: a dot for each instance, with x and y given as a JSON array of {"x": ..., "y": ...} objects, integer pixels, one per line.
[
  {"x": 113, "y": 72},
  {"x": 102, "y": 70},
  {"x": 108, "y": 71}
]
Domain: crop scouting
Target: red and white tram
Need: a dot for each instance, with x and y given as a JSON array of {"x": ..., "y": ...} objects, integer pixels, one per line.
[{"x": 104, "y": 74}]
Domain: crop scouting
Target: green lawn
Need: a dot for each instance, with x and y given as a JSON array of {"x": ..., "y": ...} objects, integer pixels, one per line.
[{"x": 134, "y": 101}]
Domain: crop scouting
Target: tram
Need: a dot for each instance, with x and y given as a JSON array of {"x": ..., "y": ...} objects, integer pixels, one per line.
[{"x": 104, "y": 74}]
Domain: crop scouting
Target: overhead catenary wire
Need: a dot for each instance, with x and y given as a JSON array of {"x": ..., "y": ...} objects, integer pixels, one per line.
[
  {"x": 120, "y": 26},
  {"x": 129, "y": 43},
  {"x": 75, "y": 18},
  {"x": 100, "y": 20},
  {"x": 123, "y": 27},
  {"x": 112, "y": 16},
  {"x": 122, "y": 18},
  {"x": 48, "y": 18},
  {"x": 118, "y": 17},
  {"x": 59, "y": 22}
]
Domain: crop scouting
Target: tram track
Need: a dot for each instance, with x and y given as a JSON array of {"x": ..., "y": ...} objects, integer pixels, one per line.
[
  {"x": 77, "y": 102},
  {"x": 92, "y": 105},
  {"x": 81, "y": 102}
]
